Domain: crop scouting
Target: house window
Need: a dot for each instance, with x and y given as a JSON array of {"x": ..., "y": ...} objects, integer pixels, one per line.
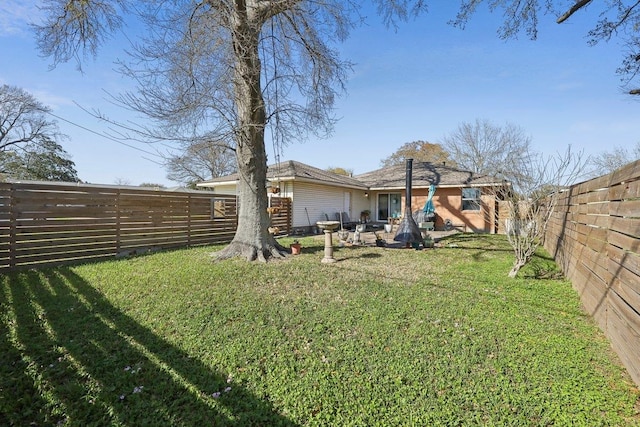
[
  {"x": 389, "y": 206},
  {"x": 470, "y": 199}
]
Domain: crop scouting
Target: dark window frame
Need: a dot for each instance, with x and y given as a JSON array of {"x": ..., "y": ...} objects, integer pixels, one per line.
[{"x": 471, "y": 200}]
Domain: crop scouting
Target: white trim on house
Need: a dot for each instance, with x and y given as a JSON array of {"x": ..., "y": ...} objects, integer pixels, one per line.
[{"x": 279, "y": 179}]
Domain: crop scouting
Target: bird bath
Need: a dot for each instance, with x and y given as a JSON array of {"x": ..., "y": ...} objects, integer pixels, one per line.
[{"x": 328, "y": 227}]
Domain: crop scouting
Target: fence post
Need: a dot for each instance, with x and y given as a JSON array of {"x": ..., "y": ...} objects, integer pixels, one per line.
[
  {"x": 118, "y": 225},
  {"x": 289, "y": 216},
  {"x": 13, "y": 218},
  {"x": 189, "y": 197}
]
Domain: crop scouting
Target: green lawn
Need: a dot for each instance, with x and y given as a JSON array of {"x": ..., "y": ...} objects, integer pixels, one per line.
[{"x": 382, "y": 337}]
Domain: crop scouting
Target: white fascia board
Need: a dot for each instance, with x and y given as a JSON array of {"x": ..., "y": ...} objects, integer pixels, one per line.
[
  {"x": 216, "y": 183},
  {"x": 315, "y": 181}
]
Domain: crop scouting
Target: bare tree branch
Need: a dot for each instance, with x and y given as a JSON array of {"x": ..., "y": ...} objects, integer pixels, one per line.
[
  {"x": 23, "y": 119},
  {"x": 573, "y": 9}
]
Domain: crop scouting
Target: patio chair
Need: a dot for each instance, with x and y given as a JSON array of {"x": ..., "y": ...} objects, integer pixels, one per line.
[
  {"x": 428, "y": 226},
  {"x": 347, "y": 223}
]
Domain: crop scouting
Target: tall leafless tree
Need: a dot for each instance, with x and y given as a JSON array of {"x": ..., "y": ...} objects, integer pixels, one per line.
[
  {"x": 200, "y": 161},
  {"x": 225, "y": 70},
  {"x": 608, "y": 161},
  {"x": 533, "y": 180},
  {"x": 486, "y": 148},
  {"x": 29, "y": 139},
  {"x": 24, "y": 120},
  {"x": 533, "y": 198}
]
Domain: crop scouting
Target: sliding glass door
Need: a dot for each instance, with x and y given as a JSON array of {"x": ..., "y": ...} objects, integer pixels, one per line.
[{"x": 389, "y": 205}]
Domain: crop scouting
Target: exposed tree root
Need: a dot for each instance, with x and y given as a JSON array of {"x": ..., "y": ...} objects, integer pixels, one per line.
[{"x": 252, "y": 252}]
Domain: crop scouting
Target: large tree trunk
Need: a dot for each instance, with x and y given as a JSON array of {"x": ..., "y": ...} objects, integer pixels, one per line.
[{"x": 252, "y": 240}]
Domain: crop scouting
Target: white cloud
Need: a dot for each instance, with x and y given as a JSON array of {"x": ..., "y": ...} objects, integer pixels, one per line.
[{"x": 16, "y": 15}]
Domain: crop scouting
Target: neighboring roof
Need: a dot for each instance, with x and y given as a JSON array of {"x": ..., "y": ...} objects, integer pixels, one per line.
[
  {"x": 294, "y": 171},
  {"x": 423, "y": 175}
]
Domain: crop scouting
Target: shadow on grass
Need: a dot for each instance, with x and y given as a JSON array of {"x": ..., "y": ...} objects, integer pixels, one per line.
[
  {"x": 483, "y": 243},
  {"x": 70, "y": 357}
]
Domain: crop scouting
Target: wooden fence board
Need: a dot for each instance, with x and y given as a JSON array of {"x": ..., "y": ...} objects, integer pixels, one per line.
[
  {"x": 629, "y": 172},
  {"x": 156, "y": 242},
  {"x": 626, "y": 190},
  {"x": 596, "y": 262},
  {"x": 57, "y": 258},
  {"x": 62, "y": 198},
  {"x": 596, "y": 241},
  {"x": 593, "y": 184},
  {"x": 62, "y": 229},
  {"x": 625, "y": 242},
  {"x": 627, "y": 260},
  {"x": 59, "y": 242},
  {"x": 623, "y": 330},
  {"x": 599, "y": 196},
  {"x": 595, "y": 208},
  {"x": 593, "y": 238},
  {"x": 593, "y": 294},
  {"x": 626, "y": 208},
  {"x": 629, "y": 226},
  {"x": 601, "y": 221},
  {"x": 617, "y": 254},
  {"x": 51, "y": 223},
  {"x": 64, "y": 212},
  {"x": 627, "y": 286}
]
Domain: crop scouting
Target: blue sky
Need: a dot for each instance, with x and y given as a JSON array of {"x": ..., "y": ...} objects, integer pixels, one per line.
[{"x": 417, "y": 83}]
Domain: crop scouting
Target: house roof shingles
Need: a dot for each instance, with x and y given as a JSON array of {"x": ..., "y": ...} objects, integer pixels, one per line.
[
  {"x": 393, "y": 177},
  {"x": 297, "y": 171},
  {"x": 423, "y": 175}
]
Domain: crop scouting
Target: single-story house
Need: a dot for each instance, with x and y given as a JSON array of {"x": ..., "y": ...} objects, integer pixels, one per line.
[
  {"x": 315, "y": 194},
  {"x": 463, "y": 198}
]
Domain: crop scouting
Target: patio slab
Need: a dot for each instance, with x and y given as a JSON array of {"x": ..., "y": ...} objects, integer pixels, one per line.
[{"x": 368, "y": 238}]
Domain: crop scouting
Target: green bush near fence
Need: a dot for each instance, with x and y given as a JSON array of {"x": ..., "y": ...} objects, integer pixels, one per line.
[{"x": 382, "y": 337}]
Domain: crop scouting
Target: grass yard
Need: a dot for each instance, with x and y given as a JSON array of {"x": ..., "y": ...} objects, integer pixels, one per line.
[{"x": 386, "y": 337}]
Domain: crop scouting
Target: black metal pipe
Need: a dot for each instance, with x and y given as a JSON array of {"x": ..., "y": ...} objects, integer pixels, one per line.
[
  {"x": 408, "y": 180},
  {"x": 408, "y": 231}
]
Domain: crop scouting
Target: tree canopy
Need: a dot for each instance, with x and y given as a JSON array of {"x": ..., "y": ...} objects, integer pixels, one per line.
[
  {"x": 28, "y": 140},
  {"x": 23, "y": 119},
  {"x": 340, "y": 170},
  {"x": 484, "y": 147},
  {"x": 200, "y": 161},
  {"x": 45, "y": 160},
  {"x": 420, "y": 151},
  {"x": 608, "y": 161}
]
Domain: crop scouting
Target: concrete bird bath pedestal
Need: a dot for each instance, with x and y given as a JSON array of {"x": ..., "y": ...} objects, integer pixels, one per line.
[{"x": 328, "y": 227}]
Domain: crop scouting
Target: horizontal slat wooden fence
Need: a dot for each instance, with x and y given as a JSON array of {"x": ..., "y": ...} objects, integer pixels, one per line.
[
  {"x": 594, "y": 235},
  {"x": 281, "y": 215},
  {"x": 51, "y": 223}
]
